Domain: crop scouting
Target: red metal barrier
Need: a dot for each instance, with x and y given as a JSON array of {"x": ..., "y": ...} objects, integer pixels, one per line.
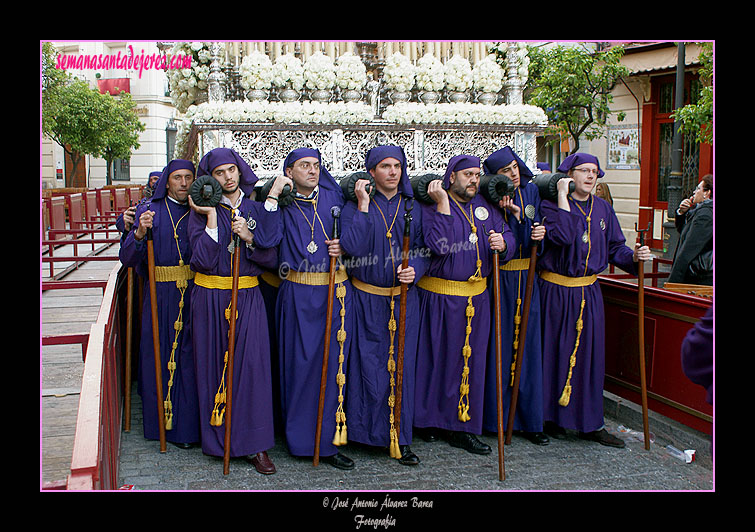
[
  {"x": 75, "y": 204},
  {"x": 90, "y": 204},
  {"x": 134, "y": 194},
  {"x": 57, "y": 209},
  {"x": 96, "y": 446},
  {"x": 668, "y": 317},
  {"x": 120, "y": 200},
  {"x": 66, "y": 339},
  {"x": 104, "y": 203}
]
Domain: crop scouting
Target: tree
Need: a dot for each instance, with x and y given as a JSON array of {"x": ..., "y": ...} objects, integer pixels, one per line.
[
  {"x": 77, "y": 123},
  {"x": 697, "y": 118},
  {"x": 122, "y": 128},
  {"x": 83, "y": 121},
  {"x": 53, "y": 79},
  {"x": 573, "y": 86}
]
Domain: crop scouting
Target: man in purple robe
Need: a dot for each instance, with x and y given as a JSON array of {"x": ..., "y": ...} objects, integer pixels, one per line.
[
  {"x": 125, "y": 220},
  {"x": 522, "y": 214},
  {"x": 166, "y": 214},
  {"x": 215, "y": 233},
  {"x": 461, "y": 229},
  {"x": 373, "y": 234},
  {"x": 583, "y": 236},
  {"x": 303, "y": 234}
]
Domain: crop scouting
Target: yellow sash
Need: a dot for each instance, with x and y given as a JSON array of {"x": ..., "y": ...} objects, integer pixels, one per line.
[
  {"x": 388, "y": 291},
  {"x": 515, "y": 265},
  {"x": 563, "y": 280},
  {"x": 271, "y": 279},
  {"x": 453, "y": 288},
  {"x": 315, "y": 278},
  {"x": 165, "y": 274},
  {"x": 224, "y": 283}
]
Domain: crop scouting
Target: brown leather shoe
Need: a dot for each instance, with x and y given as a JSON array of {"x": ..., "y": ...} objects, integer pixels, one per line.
[{"x": 262, "y": 463}]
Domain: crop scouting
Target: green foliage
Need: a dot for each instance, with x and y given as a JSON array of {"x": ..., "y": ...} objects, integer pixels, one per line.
[
  {"x": 121, "y": 131},
  {"x": 83, "y": 121},
  {"x": 574, "y": 86},
  {"x": 53, "y": 79},
  {"x": 697, "y": 118}
]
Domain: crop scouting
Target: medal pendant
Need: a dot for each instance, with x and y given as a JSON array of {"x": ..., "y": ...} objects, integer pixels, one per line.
[
  {"x": 231, "y": 247},
  {"x": 585, "y": 238},
  {"x": 312, "y": 247},
  {"x": 473, "y": 238}
]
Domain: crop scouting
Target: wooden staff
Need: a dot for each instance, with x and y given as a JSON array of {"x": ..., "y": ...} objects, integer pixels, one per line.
[
  {"x": 231, "y": 350},
  {"x": 408, "y": 205},
  {"x": 522, "y": 337},
  {"x": 641, "y": 324},
  {"x": 129, "y": 342},
  {"x": 498, "y": 362},
  {"x": 336, "y": 212},
  {"x": 156, "y": 338}
]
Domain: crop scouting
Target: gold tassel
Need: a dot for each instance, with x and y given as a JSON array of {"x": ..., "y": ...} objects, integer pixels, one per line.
[
  {"x": 566, "y": 394},
  {"x": 466, "y": 352},
  {"x": 395, "y": 452},
  {"x": 339, "y": 438},
  {"x": 168, "y": 406}
]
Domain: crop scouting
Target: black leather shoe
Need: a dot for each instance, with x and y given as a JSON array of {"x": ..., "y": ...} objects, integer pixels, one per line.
[
  {"x": 429, "y": 435},
  {"x": 339, "y": 461},
  {"x": 604, "y": 438},
  {"x": 182, "y": 445},
  {"x": 469, "y": 443},
  {"x": 407, "y": 456},
  {"x": 554, "y": 431},
  {"x": 538, "y": 438}
]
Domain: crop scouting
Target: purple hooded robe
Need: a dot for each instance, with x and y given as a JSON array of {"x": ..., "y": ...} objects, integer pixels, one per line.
[
  {"x": 300, "y": 315},
  {"x": 133, "y": 253},
  {"x": 252, "y": 415},
  {"x": 529, "y": 411},
  {"x": 568, "y": 251},
  {"x": 373, "y": 259},
  {"x": 442, "y": 317}
]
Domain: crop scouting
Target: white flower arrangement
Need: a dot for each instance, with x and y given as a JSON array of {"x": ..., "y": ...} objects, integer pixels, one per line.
[
  {"x": 319, "y": 72},
  {"x": 464, "y": 113},
  {"x": 351, "y": 74},
  {"x": 524, "y": 62},
  {"x": 288, "y": 69},
  {"x": 430, "y": 73},
  {"x": 399, "y": 72},
  {"x": 458, "y": 74},
  {"x": 487, "y": 75},
  {"x": 186, "y": 84},
  {"x": 256, "y": 71},
  {"x": 305, "y": 112}
]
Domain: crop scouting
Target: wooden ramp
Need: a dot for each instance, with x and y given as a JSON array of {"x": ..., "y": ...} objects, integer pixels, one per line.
[{"x": 64, "y": 312}]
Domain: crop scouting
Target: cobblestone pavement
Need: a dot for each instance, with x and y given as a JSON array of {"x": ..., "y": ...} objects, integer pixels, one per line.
[{"x": 571, "y": 464}]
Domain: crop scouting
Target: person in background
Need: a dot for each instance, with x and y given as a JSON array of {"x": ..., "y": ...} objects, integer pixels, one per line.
[
  {"x": 693, "y": 257},
  {"x": 522, "y": 215}
]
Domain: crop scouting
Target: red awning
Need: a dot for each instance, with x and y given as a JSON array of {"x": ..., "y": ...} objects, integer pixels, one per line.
[{"x": 114, "y": 85}]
